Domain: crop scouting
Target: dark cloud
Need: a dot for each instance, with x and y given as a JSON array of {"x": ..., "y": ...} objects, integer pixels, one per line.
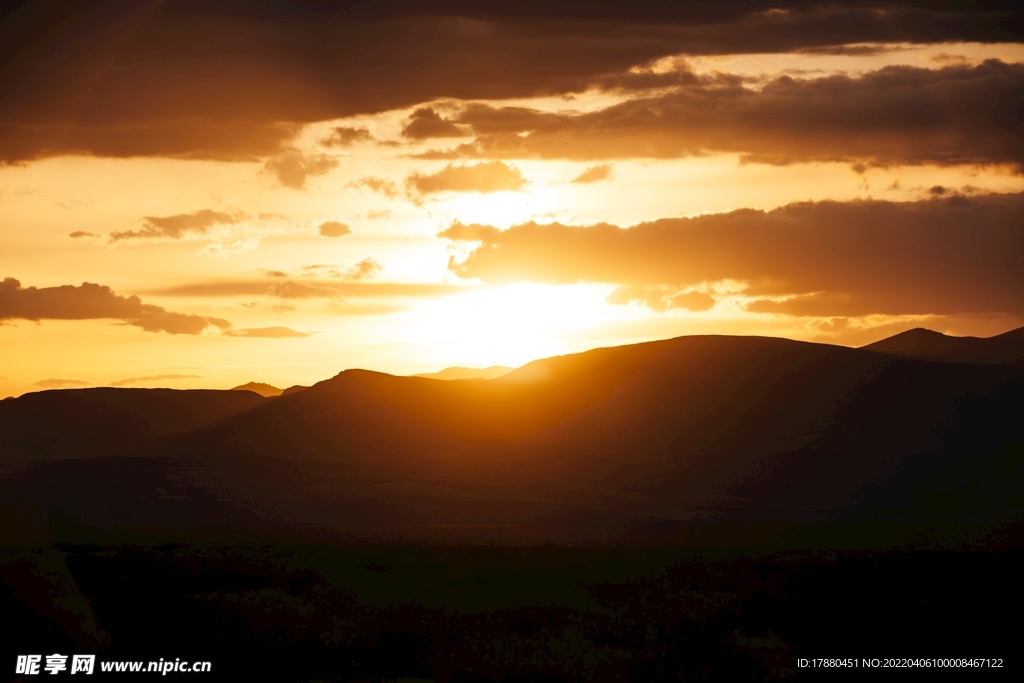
[
  {"x": 896, "y": 115},
  {"x": 293, "y": 167},
  {"x": 426, "y": 123},
  {"x": 151, "y": 378},
  {"x": 594, "y": 174},
  {"x": 266, "y": 333},
  {"x": 487, "y": 177},
  {"x": 343, "y": 136},
  {"x": 334, "y": 229},
  {"x": 942, "y": 256},
  {"x": 78, "y": 234},
  {"x": 177, "y": 226},
  {"x": 385, "y": 187},
  {"x": 91, "y": 301},
  {"x": 228, "y": 79}
]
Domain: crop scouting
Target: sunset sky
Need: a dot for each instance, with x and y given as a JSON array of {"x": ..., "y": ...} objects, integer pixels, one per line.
[{"x": 202, "y": 194}]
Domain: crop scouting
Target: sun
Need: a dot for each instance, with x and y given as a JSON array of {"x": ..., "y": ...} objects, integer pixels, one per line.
[{"x": 509, "y": 325}]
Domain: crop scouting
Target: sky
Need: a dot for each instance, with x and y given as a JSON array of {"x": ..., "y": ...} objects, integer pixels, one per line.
[{"x": 203, "y": 194}]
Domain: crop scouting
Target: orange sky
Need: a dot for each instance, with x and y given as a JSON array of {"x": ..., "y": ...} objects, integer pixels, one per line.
[{"x": 255, "y": 198}]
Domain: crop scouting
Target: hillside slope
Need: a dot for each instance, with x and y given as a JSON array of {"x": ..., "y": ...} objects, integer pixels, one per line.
[
  {"x": 929, "y": 345},
  {"x": 69, "y": 423},
  {"x": 680, "y": 432}
]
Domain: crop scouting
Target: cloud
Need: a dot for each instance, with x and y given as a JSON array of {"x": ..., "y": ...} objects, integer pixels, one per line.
[
  {"x": 364, "y": 270},
  {"x": 151, "y": 378},
  {"x": 90, "y": 302},
  {"x": 343, "y": 136},
  {"x": 334, "y": 229},
  {"x": 61, "y": 383},
  {"x": 78, "y": 234},
  {"x": 895, "y": 115},
  {"x": 233, "y": 82},
  {"x": 492, "y": 176},
  {"x": 265, "y": 333},
  {"x": 225, "y": 249},
  {"x": 176, "y": 227},
  {"x": 426, "y": 123},
  {"x": 293, "y": 168},
  {"x": 473, "y": 232},
  {"x": 180, "y": 138},
  {"x": 594, "y": 174},
  {"x": 941, "y": 256},
  {"x": 385, "y": 187},
  {"x": 662, "y": 298},
  {"x": 307, "y": 289}
]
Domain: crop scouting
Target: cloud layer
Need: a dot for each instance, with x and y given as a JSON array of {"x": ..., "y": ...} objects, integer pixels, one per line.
[
  {"x": 950, "y": 255},
  {"x": 266, "y": 333},
  {"x": 594, "y": 174},
  {"x": 293, "y": 167},
  {"x": 493, "y": 176},
  {"x": 895, "y": 115},
  {"x": 309, "y": 289},
  {"x": 228, "y": 80},
  {"x": 128, "y": 381},
  {"x": 91, "y": 301},
  {"x": 173, "y": 227}
]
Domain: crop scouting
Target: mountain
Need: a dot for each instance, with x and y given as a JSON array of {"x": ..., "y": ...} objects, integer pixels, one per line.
[
  {"x": 260, "y": 388},
  {"x": 928, "y": 345},
  {"x": 492, "y": 372},
  {"x": 76, "y": 423},
  {"x": 745, "y": 435}
]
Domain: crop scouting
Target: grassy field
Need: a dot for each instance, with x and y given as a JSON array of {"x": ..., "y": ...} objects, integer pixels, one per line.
[{"x": 449, "y": 613}]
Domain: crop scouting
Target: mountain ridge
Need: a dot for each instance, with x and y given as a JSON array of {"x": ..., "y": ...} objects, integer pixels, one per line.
[
  {"x": 460, "y": 373},
  {"x": 924, "y": 344},
  {"x": 717, "y": 428}
]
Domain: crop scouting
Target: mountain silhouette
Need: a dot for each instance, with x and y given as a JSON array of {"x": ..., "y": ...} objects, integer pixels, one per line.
[
  {"x": 657, "y": 440},
  {"x": 265, "y": 390},
  {"x": 492, "y": 372},
  {"x": 76, "y": 423},
  {"x": 928, "y": 345}
]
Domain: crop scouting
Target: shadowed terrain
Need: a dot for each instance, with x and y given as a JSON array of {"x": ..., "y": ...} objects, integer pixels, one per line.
[
  {"x": 700, "y": 508},
  {"x": 265, "y": 390},
  {"x": 83, "y": 423},
  {"x": 928, "y": 345},
  {"x": 733, "y": 441}
]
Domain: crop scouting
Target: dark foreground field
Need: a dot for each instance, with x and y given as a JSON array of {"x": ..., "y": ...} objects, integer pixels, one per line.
[{"x": 378, "y": 613}]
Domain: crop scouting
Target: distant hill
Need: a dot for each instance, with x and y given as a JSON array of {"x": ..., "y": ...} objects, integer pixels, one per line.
[
  {"x": 260, "y": 388},
  {"x": 928, "y": 345},
  {"x": 491, "y": 372},
  {"x": 750, "y": 435},
  {"x": 70, "y": 423}
]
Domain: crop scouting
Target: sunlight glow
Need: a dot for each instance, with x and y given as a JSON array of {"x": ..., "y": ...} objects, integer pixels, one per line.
[{"x": 509, "y": 325}]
